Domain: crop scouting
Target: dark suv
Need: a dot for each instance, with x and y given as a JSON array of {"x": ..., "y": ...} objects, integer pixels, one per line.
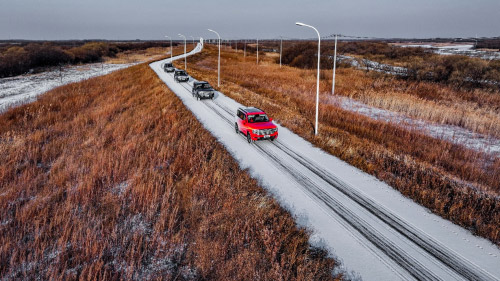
[
  {"x": 255, "y": 124},
  {"x": 181, "y": 76},
  {"x": 168, "y": 67},
  {"x": 203, "y": 90}
]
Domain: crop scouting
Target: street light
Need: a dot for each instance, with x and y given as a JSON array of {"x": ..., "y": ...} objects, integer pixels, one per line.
[
  {"x": 257, "y": 50},
  {"x": 281, "y": 47},
  {"x": 218, "y": 62},
  {"x": 334, "y": 65},
  {"x": 170, "y": 46},
  {"x": 185, "y": 60},
  {"x": 317, "y": 80}
]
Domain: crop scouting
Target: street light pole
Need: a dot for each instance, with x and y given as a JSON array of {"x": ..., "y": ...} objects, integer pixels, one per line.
[
  {"x": 334, "y": 65},
  {"x": 170, "y": 46},
  {"x": 281, "y": 48},
  {"x": 218, "y": 62},
  {"x": 185, "y": 60},
  {"x": 257, "y": 50},
  {"x": 317, "y": 79},
  {"x": 245, "y": 50}
]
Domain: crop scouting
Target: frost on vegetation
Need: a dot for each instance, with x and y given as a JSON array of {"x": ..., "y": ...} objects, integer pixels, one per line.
[
  {"x": 25, "y": 88},
  {"x": 35, "y": 268},
  {"x": 138, "y": 224},
  {"x": 454, "y": 134},
  {"x": 464, "y": 49},
  {"x": 120, "y": 188},
  {"x": 166, "y": 263},
  {"x": 21, "y": 200}
]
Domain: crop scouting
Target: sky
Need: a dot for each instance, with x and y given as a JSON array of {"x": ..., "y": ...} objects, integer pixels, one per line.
[{"x": 234, "y": 19}]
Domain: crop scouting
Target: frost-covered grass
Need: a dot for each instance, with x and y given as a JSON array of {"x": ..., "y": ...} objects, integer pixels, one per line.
[
  {"x": 113, "y": 178},
  {"x": 458, "y": 49},
  {"x": 454, "y": 134},
  {"x": 25, "y": 88},
  {"x": 22, "y": 89}
]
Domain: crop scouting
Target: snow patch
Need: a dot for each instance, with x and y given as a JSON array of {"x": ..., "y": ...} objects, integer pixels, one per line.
[
  {"x": 454, "y": 134},
  {"x": 23, "y": 89}
]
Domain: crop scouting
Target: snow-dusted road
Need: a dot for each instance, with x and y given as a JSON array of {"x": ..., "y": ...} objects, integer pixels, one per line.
[{"x": 378, "y": 233}]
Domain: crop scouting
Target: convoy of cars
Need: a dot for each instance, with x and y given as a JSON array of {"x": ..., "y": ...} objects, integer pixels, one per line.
[{"x": 249, "y": 121}]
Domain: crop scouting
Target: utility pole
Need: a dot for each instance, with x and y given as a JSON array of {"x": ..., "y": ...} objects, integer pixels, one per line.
[
  {"x": 185, "y": 56},
  {"x": 170, "y": 46},
  {"x": 334, "y": 65},
  {"x": 257, "y": 50},
  {"x": 281, "y": 47}
]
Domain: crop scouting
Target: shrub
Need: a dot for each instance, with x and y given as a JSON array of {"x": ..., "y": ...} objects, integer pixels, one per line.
[{"x": 19, "y": 59}]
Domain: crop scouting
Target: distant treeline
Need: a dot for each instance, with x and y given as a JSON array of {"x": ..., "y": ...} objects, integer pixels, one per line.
[
  {"x": 456, "y": 70},
  {"x": 19, "y": 58},
  {"x": 421, "y": 63},
  {"x": 489, "y": 44},
  {"x": 303, "y": 55}
]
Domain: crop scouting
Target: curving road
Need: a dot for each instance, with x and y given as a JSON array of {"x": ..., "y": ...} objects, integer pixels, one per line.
[{"x": 375, "y": 231}]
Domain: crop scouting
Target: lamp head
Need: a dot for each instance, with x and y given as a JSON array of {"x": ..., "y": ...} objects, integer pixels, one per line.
[{"x": 300, "y": 24}]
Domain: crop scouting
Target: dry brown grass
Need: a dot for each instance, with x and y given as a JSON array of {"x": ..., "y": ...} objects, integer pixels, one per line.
[
  {"x": 143, "y": 55},
  {"x": 457, "y": 183},
  {"x": 448, "y": 102},
  {"x": 113, "y": 178},
  {"x": 478, "y": 110}
]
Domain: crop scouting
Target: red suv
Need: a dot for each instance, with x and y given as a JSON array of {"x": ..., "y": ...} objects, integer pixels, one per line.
[{"x": 255, "y": 124}]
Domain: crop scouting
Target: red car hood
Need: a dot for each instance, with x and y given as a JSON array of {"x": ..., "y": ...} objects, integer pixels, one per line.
[{"x": 261, "y": 126}]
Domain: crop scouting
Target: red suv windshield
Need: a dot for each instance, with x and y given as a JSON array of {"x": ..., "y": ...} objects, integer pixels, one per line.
[{"x": 257, "y": 118}]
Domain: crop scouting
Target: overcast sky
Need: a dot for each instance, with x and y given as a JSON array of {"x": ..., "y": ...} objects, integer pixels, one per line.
[{"x": 234, "y": 19}]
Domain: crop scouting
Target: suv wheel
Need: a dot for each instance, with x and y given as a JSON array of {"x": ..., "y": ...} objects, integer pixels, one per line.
[
  {"x": 236, "y": 128},
  {"x": 249, "y": 138}
]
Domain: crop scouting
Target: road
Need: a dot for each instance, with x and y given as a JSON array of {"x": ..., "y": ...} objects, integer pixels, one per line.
[{"x": 374, "y": 230}]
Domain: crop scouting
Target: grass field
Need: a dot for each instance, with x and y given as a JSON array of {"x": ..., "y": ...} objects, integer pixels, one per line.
[
  {"x": 142, "y": 55},
  {"x": 457, "y": 183},
  {"x": 113, "y": 178}
]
